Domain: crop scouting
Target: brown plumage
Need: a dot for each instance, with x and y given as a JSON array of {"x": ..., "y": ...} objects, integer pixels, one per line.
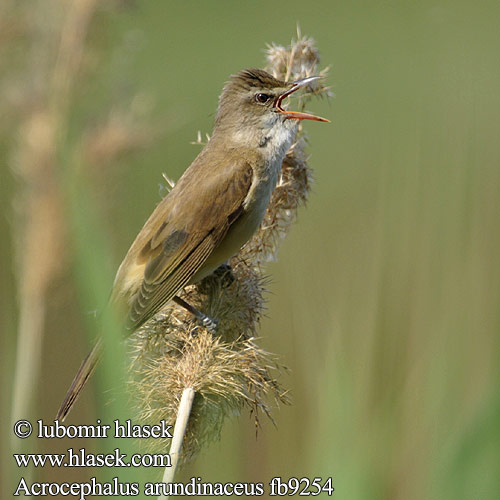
[
  {"x": 212, "y": 211},
  {"x": 182, "y": 233}
]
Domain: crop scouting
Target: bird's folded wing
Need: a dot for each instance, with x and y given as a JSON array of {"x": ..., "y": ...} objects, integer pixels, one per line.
[{"x": 188, "y": 226}]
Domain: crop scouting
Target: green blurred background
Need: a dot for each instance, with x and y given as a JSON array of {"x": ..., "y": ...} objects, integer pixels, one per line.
[{"x": 385, "y": 300}]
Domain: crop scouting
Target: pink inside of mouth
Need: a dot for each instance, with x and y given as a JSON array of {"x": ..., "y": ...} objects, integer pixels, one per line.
[{"x": 284, "y": 96}]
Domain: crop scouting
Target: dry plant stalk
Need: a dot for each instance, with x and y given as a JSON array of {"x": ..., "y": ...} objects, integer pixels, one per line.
[
  {"x": 56, "y": 33},
  {"x": 40, "y": 228},
  {"x": 227, "y": 370},
  {"x": 183, "y": 413}
]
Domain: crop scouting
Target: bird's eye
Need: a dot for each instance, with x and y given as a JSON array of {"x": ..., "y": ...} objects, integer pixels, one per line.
[{"x": 262, "y": 98}]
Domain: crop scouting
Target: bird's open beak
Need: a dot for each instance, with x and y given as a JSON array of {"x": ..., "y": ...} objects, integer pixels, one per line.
[{"x": 298, "y": 115}]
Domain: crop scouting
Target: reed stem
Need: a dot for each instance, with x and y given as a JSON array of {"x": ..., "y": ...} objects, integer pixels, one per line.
[{"x": 179, "y": 431}]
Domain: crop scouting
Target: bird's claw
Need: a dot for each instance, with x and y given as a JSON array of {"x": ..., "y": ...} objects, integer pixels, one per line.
[{"x": 210, "y": 324}]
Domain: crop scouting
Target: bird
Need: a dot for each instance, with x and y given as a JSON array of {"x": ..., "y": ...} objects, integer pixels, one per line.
[{"x": 213, "y": 209}]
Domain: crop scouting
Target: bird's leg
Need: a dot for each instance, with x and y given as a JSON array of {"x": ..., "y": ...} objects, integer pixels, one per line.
[
  {"x": 224, "y": 274},
  {"x": 206, "y": 321}
]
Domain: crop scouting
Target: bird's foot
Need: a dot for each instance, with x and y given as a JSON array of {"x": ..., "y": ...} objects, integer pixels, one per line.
[{"x": 209, "y": 323}]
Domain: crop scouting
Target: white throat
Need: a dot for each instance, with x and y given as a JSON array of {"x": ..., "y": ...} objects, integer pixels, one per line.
[
  {"x": 278, "y": 139},
  {"x": 273, "y": 140}
]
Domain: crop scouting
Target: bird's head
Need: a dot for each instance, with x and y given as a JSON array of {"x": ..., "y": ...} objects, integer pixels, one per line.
[{"x": 252, "y": 112}]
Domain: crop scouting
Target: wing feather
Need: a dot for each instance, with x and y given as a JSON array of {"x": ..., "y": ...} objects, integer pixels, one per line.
[
  {"x": 152, "y": 296},
  {"x": 183, "y": 231}
]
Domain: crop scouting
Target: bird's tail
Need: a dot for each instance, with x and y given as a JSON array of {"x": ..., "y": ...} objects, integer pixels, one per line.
[{"x": 86, "y": 370}]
